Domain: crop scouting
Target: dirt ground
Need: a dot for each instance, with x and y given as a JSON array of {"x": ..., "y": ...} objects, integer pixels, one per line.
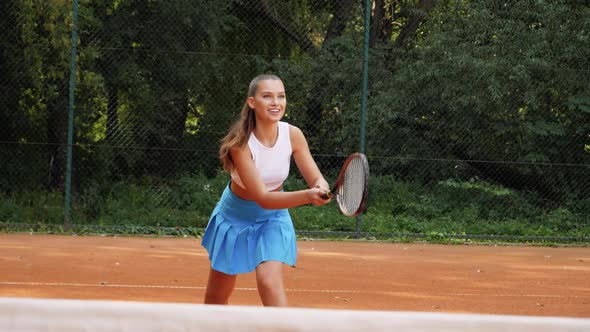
[{"x": 485, "y": 279}]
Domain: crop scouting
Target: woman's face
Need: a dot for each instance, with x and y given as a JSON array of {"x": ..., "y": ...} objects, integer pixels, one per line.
[{"x": 269, "y": 102}]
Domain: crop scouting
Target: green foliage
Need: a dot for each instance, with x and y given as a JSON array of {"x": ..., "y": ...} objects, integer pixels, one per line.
[
  {"x": 477, "y": 119},
  {"x": 451, "y": 210},
  {"x": 454, "y": 208},
  {"x": 185, "y": 202},
  {"x": 34, "y": 207},
  {"x": 491, "y": 82}
]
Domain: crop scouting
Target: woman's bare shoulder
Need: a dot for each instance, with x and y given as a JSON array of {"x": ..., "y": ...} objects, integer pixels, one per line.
[{"x": 295, "y": 131}]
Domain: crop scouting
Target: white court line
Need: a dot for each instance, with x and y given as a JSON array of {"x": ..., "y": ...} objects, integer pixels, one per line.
[{"x": 249, "y": 289}]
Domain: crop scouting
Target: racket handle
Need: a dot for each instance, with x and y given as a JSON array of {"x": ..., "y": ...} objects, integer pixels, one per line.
[{"x": 327, "y": 195}]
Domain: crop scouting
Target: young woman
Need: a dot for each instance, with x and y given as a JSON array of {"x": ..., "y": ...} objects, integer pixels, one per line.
[{"x": 250, "y": 227}]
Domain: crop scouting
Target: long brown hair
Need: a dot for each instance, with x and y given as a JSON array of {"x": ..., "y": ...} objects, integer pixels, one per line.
[{"x": 240, "y": 131}]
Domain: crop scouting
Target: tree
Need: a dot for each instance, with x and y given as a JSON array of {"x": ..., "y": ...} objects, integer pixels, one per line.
[
  {"x": 498, "y": 83},
  {"x": 150, "y": 56},
  {"x": 45, "y": 38},
  {"x": 10, "y": 120}
]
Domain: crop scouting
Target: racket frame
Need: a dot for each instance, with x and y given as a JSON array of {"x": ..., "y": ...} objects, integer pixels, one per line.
[{"x": 340, "y": 180}]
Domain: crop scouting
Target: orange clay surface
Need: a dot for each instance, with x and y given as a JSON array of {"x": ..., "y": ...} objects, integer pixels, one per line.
[{"x": 486, "y": 279}]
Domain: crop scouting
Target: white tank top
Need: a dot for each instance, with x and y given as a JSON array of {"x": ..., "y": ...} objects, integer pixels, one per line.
[{"x": 272, "y": 163}]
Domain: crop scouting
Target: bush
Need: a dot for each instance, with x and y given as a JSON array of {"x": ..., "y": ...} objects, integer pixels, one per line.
[{"x": 396, "y": 209}]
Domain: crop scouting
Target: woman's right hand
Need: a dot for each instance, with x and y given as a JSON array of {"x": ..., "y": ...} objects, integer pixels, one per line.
[{"x": 318, "y": 196}]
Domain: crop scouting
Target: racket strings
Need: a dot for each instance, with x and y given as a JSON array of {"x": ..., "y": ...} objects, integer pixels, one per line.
[{"x": 350, "y": 196}]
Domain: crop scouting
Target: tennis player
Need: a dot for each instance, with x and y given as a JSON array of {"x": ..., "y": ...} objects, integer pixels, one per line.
[{"x": 250, "y": 228}]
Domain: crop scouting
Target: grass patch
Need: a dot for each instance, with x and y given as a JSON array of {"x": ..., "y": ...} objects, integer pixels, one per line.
[{"x": 450, "y": 211}]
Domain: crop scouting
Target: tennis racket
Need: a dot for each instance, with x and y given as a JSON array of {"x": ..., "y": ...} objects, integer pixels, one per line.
[{"x": 352, "y": 185}]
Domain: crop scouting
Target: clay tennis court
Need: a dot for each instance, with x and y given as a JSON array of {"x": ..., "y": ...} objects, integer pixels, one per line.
[{"x": 486, "y": 279}]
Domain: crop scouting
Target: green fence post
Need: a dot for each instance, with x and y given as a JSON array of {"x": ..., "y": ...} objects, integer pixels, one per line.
[
  {"x": 68, "y": 185},
  {"x": 365, "y": 94}
]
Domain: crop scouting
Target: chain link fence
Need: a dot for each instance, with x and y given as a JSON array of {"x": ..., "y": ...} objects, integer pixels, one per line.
[{"x": 478, "y": 112}]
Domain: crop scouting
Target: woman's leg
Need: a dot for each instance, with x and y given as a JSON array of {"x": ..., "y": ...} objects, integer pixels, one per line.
[
  {"x": 219, "y": 287},
  {"x": 269, "y": 277}
]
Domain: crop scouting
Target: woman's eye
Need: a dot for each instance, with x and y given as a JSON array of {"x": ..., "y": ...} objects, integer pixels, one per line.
[{"x": 270, "y": 97}]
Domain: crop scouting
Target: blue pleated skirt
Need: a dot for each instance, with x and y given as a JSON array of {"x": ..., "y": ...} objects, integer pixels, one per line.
[{"x": 241, "y": 234}]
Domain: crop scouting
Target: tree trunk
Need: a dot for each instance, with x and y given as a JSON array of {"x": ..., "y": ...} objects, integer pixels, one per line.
[
  {"x": 112, "y": 125},
  {"x": 262, "y": 9},
  {"x": 410, "y": 28},
  {"x": 167, "y": 138},
  {"x": 314, "y": 108},
  {"x": 9, "y": 85},
  {"x": 57, "y": 119},
  {"x": 381, "y": 22}
]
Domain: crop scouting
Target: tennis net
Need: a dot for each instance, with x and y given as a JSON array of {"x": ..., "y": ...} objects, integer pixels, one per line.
[{"x": 28, "y": 314}]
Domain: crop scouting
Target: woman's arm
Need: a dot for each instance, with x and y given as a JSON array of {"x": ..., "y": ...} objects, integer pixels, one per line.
[
  {"x": 242, "y": 161},
  {"x": 305, "y": 163}
]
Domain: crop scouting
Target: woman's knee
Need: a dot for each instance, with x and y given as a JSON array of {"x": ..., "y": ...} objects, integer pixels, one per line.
[
  {"x": 269, "y": 275},
  {"x": 219, "y": 287}
]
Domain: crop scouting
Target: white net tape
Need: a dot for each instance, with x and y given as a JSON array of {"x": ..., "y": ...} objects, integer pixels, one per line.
[{"x": 22, "y": 314}]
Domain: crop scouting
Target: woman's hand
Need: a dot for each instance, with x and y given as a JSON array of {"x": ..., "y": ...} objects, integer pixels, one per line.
[{"x": 318, "y": 196}]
